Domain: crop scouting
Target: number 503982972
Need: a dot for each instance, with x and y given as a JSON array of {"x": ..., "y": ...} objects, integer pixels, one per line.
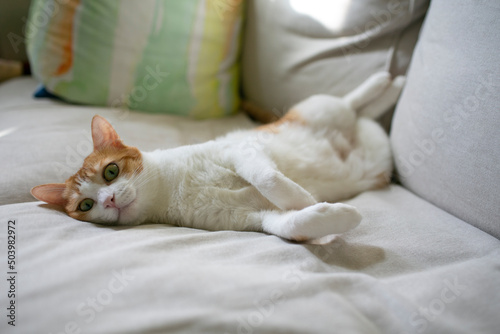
[{"x": 11, "y": 245}]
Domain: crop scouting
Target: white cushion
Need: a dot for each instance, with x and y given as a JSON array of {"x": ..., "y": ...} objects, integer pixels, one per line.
[
  {"x": 294, "y": 49},
  {"x": 445, "y": 132}
]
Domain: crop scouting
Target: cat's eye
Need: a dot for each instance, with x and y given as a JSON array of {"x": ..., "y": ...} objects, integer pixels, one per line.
[
  {"x": 111, "y": 172},
  {"x": 86, "y": 204}
]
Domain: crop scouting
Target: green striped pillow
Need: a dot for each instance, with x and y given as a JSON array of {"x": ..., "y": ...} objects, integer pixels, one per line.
[{"x": 158, "y": 56}]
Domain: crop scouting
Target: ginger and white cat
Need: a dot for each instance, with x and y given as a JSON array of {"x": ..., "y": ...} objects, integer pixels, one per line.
[{"x": 320, "y": 152}]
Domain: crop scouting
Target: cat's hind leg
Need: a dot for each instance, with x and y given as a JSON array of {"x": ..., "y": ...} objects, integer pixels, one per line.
[
  {"x": 369, "y": 90},
  {"x": 312, "y": 222},
  {"x": 385, "y": 101}
]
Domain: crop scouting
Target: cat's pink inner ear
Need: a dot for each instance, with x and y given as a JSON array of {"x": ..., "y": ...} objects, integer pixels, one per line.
[
  {"x": 103, "y": 134},
  {"x": 50, "y": 193}
]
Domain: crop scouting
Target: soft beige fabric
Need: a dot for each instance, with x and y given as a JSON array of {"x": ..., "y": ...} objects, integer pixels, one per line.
[
  {"x": 445, "y": 132},
  {"x": 408, "y": 268}
]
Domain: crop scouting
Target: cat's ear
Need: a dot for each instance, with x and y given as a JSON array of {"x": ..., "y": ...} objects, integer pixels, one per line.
[
  {"x": 103, "y": 134},
  {"x": 51, "y": 193}
]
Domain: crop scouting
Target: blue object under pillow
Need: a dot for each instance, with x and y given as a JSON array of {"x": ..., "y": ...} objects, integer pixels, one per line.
[{"x": 42, "y": 92}]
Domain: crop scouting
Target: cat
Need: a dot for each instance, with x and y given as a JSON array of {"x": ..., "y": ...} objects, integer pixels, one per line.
[{"x": 283, "y": 178}]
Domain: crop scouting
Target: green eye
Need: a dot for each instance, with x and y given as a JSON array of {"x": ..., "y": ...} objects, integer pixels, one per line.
[
  {"x": 86, "y": 204},
  {"x": 111, "y": 172}
]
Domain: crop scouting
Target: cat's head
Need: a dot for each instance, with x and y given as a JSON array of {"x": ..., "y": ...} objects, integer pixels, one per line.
[{"x": 107, "y": 189}]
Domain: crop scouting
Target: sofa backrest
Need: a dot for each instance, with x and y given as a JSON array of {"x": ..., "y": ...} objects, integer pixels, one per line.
[
  {"x": 446, "y": 129},
  {"x": 293, "y": 48}
]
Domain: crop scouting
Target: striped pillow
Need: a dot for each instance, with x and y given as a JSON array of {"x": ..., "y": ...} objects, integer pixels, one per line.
[{"x": 158, "y": 56}]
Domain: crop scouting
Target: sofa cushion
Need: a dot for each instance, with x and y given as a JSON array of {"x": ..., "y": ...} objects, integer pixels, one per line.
[
  {"x": 445, "y": 131},
  {"x": 294, "y": 49},
  {"x": 409, "y": 267},
  {"x": 175, "y": 57}
]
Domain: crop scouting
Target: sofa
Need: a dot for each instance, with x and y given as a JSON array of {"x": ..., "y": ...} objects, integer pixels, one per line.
[{"x": 425, "y": 258}]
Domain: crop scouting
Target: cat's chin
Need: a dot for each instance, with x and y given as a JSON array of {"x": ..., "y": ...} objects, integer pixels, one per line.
[{"x": 128, "y": 214}]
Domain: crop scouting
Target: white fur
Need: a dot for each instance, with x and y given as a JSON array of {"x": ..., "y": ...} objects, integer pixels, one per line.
[{"x": 278, "y": 183}]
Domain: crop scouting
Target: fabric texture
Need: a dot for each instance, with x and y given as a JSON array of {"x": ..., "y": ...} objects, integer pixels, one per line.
[
  {"x": 178, "y": 57},
  {"x": 294, "y": 49},
  {"x": 409, "y": 267},
  {"x": 445, "y": 131}
]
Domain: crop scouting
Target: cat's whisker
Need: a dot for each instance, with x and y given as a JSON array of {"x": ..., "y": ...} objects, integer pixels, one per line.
[
  {"x": 137, "y": 181},
  {"x": 135, "y": 173},
  {"x": 134, "y": 178},
  {"x": 145, "y": 180}
]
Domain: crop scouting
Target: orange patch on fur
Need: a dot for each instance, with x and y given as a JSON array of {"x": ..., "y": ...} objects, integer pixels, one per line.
[
  {"x": 292, "y": 116},
  {"x": 382, "y": 181},
  {"x": 258, "y": 113},
  {"x": 300, "y": 239}
]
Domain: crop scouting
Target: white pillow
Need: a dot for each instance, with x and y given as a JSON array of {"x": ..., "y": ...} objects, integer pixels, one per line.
[{"x": 294, "y": 49}]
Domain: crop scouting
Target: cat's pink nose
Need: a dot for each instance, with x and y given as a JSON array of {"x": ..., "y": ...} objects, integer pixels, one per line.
[{"x": 109, "y": 202}]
